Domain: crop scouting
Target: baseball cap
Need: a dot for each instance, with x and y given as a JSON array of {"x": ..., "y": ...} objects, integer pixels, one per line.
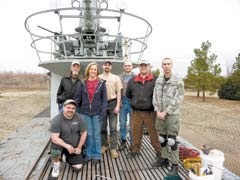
[
  {"x": 107, "y": 61},
  {"x": 70, "y": 101},
  {"x": 144, "y": 62},
  {"x": 75, "y": 62}
]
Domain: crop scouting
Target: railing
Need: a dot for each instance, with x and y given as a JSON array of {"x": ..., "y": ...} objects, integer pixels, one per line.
[{"x": 56, "y": 39}]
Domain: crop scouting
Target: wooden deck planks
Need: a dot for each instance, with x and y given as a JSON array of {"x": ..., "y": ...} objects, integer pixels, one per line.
[{"x": 122, "y": 168}]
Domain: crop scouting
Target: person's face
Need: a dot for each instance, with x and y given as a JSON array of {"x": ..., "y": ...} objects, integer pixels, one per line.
[
  {"x": 167, "y": 66},
  {"x": 107, "y": 67},
  {"x": 144, "y": 69},
  {"x": 75, "y": 69},
  {"x": 93, "y": 71},
  {"x": 69, "y": 110},
  {"x": 127, "y": 67}
]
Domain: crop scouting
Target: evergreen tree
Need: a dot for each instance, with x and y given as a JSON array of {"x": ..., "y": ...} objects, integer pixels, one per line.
[
  {"x": 230, "y": 89},
  {"x": 236, "y": 65},
  {"x": 203, "y": 73},
  {"x": 156, "y": 72}
]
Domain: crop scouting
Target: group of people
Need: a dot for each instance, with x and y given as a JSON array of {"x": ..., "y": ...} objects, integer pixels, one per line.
[{"x": 146, "y": 100}]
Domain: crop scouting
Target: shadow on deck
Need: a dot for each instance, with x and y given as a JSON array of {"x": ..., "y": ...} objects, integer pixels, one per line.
[
  {"x": 30, "y": 160},
  {"x": 114, "y": 169}
]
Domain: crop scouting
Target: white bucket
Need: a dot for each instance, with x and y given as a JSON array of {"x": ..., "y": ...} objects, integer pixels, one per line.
[
  {"x": 195, "y": 177},
  {"x": 215, "y": 158}
]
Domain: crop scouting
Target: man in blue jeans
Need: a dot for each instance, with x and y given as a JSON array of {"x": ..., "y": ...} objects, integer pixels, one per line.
[{"x": 125, "y": 110}]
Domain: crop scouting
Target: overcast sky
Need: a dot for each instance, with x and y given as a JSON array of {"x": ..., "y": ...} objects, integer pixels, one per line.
[{"x": 178, "y": 28}]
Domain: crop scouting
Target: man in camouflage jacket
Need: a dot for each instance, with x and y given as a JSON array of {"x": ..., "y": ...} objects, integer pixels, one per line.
[{"x": 167, "y": 96}]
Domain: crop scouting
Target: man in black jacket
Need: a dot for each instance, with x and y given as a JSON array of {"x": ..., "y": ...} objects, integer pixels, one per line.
[
  {"x": 140, "y": 92},
  {"x": 68, "y": 84}
]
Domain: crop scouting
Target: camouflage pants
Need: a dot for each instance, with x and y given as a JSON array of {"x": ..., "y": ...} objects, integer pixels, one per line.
[{"x": 169, "y": 126}]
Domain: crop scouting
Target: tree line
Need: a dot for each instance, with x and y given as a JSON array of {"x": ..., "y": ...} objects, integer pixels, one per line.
[
  {"x": 204, "y": 75},
  {"x": 23, "y": 81}
]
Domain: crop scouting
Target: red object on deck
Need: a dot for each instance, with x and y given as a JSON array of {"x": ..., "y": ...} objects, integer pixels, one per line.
[{"x": 185, "y": 153}]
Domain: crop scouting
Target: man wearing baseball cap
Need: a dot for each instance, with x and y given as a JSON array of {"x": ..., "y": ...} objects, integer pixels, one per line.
[
  {"x": 68, "y": 84},
  {"x": 140, "y": 92},
  {"x": 68, "y": 135},
  {"x": 114, "y": 86},
  {"x": 143, "y": 61}
]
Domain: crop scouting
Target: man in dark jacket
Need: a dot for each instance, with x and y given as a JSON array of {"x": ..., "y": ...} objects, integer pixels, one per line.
[
  {"x": 68, "y": 85},
  {"x": 140, "y": 92}
]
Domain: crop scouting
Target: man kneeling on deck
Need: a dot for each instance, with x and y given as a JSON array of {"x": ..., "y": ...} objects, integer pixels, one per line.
[{"x": 68, "y": 135}]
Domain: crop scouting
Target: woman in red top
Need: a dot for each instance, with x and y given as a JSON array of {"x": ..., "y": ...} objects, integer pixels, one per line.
[{"x": 91, "y": 97}]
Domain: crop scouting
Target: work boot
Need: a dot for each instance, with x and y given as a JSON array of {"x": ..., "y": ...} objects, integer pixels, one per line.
[
  {"x": 114, "y": 153},
  {"x": 104, "y": 149},
  {"x": 174, "y": 170},
  {"x": 158, "y": 156},
  {"x": 95, "y": 162},
  {"x": 122, "y": 145},
  {"x": 161, "y": 162},
  {"x": 157, "y": 159},
  {"x": 133, "y": 154},
  {"x": 86, "y": 160}
]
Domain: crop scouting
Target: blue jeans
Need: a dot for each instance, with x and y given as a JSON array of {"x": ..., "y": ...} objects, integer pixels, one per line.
[
  {"x": 93, "y": 142},
  {"x": 123, "y": 117},
  {"x": 111, "y": 119}
]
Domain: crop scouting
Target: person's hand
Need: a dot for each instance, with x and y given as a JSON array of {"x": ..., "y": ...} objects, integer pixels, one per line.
[
  {"x": 78, "y": 150},
  {"x": 161, "y": 115},
  {"x": 116, "y": 110},
  {"x": 121, "y": 105},
  {"x": 70, "y": 149}
]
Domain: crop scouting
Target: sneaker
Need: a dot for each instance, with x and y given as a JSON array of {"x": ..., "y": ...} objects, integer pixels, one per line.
[
  {"x": 55, "y": 169},
  {"x": 114, "y": 153},
  {"x": 122, "y": 145},
  {"x": 133, "y": 154},
  {"x": 104, "y": 149}
]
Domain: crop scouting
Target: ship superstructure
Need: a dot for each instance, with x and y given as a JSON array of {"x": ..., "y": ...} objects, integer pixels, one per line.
[{"x": 88, "y": 31}]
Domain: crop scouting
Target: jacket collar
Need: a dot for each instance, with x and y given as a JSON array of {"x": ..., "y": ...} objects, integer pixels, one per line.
[{"x": 140, "y": 79}]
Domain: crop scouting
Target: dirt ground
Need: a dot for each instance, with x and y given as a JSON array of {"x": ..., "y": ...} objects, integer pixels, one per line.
[
  {"x": 16, "y": 108},
  {"x": 215, "y": 122}
]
